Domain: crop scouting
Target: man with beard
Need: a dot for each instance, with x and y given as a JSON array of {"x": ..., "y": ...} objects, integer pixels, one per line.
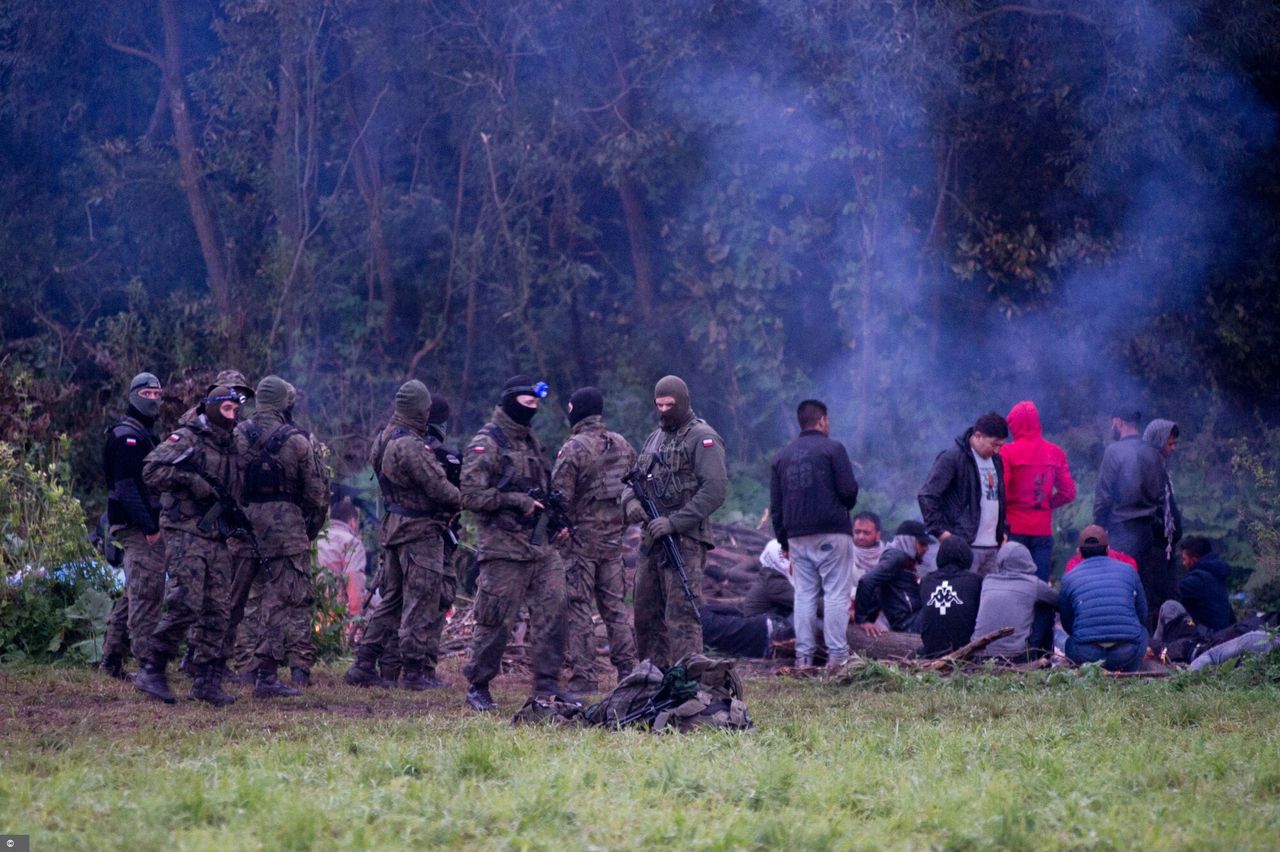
[
  {"x": 134, "y": 515},
  {"x": 501, "y": 465},
  {"x": 588, "y": 474},
  {"x": 1129, "y": 499},
  {"x": 419, "y": 499},
  {"x": 683, "y": 462},
  {"x": 867, "y": 546},
  {"x": 194, "y": 471}
]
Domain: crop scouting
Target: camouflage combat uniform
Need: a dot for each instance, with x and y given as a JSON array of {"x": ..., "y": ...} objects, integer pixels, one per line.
[
  {"x": 688, "y": 482},
  {"x": 502, "y": 462},
  {"x": 417, "y": 586},
  {"x": 197, "y": 601},
  {"x": 588, "y": 474},
  {"x": 134, "y": 514},
  {"x": 285, "y": 491}
]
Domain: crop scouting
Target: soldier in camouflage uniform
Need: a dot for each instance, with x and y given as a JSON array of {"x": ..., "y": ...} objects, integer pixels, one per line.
[
  {"x": 684, "y": 463},
  {"x": 588, "y": 474},
  {"x": 285, "y": 489},
  {"x": 499, "y": 467},
  {"x": 419, "y": 501},
  {"x": 134, "y": 514},
  {"x": 188, "y": 470}
]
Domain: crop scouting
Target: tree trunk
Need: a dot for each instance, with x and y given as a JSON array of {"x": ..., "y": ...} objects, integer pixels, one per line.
[{"x": 220, "y": 273}]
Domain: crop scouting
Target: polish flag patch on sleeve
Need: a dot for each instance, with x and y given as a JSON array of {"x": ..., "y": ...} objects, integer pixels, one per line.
[
  {"x": 131, "y": 442},
  {"x": 478, "y": 448},
  {"x": 174, "y": 437},
  {"x": 708, "y": 442}
]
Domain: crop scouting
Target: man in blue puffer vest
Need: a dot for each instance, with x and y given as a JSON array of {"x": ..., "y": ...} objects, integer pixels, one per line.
[{"x": 1104, "y": 608}]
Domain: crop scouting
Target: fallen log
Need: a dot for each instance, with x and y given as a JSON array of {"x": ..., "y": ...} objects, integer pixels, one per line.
[{"x": 965, "y": 651}]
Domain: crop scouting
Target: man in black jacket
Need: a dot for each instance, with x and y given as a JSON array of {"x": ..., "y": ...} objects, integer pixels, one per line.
[
  {"x": 1204, "y": 590},
  {"x": 893, "y": 588},
  {"x": 964, "y": 494},
  {"x": 134, "y": 514},
  {"x": 811, "y": 492},
  {"x": 951, "y": 596}
]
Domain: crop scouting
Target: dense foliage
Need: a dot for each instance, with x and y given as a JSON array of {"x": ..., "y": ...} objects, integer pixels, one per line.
[{"x": 917, "y": 211}]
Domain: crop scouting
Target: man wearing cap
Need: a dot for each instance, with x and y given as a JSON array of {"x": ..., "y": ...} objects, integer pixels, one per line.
[
  {"x": 189, "y": 471},
  {"x": 1129, "y": 499},
  {"x": 811, "y": 490},
  {"x": 134, "y": 515},
  {"x": 964, "y": 494},
  {"x": 588, "y": 474},
  {"x": 503, "y": 462},
  {"x": 893, "y": 588},
  {"x": 1103, "y": 608},
  {"x": 285, "y": 489},
  {"x": 418, "y": 500},
  {"x": 684, "y": 465}
]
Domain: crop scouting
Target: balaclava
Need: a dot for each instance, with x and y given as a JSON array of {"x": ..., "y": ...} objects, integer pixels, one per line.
[
  {"x": 679, "y": 414},
  {"x": 413, "y": 404},
  {"x": 148, "y": 408},
  {"x": 219, "y": 394},
  {"x": 518, "y": 386},
  {"x": 290, "y": 401},
  {"x": 585, "y": 402},
  {"x": 273, "y": 395},
  {"x": 438, "y": 418}
]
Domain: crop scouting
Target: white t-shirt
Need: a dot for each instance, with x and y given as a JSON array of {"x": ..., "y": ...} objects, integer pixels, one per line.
[{"x": 990, "y": 492}]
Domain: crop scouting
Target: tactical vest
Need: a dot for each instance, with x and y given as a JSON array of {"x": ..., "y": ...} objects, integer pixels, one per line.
[
  {"x": 395, "y": 500},
  {"x": 669, "y": 458},
  {"x": 122, "y": 430},
  {"x": 265, "y": 477},
  {"x": 611, "y": 461},
  {"x": 510, "y": 479}
]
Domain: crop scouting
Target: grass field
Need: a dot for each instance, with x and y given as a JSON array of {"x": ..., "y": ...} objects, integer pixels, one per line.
[{"x": 1043, "y": 761}]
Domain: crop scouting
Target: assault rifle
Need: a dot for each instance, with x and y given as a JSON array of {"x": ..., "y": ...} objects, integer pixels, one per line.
[
  {"x": 553, "y": 518},
  {"x": 639, "y": 486},
  {"x": 228, "y": 517}
]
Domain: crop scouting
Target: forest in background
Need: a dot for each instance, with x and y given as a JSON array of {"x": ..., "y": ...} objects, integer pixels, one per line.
[{"x": 916, "y": 211}]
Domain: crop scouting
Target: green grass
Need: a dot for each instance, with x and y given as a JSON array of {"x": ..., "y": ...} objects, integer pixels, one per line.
[{"x": 1043, "y": 761}]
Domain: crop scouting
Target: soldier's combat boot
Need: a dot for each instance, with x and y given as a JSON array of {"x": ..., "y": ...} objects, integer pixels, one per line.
[
  {"x": 113, "y": 665},
  {"x": 391, "y": 674},
  {"x": 269, "y": 685},
  {"x": 417, "y": 678},
  {"x": 363, "y": 672},
  {"x": 478, "y": 698},
  {"x": 248, "y": 677},
  {"x": 207, "y": 686},
  {"x": 151, "y": 679},
  {"x": 301, "y": 677}
]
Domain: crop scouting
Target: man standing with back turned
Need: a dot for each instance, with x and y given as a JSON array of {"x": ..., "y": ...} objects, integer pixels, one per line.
[
  {"x": 683, "y": 463},
  {"x": 811, "y": 491}
]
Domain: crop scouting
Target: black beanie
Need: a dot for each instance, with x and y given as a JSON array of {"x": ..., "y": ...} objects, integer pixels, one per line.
[
  {"x": 585, "y": 402},
  {"x": 954, "y": 552},
  {"x": 440, "y": 411},
  {"x": 518, "y": 386}
]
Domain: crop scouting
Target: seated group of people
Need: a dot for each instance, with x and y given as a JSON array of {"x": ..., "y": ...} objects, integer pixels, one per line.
[{"x": 916, "y": 587}]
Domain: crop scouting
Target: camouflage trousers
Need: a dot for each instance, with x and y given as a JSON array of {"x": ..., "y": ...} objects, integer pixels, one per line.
[
  {"x": 197, "y": 599},
  {"x": 136, "y": 612},
  {"x": 417, "y": 589},
  {"x": 600, "y": 576},
  {"x": 504, "y": 586},
  {"x": 667, "y": 626},
  {"x": 276, "y": 627}
]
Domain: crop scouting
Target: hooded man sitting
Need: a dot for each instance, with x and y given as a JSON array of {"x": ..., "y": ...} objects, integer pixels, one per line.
[
  {"x": 950, "y": 595},
  {"x": 1010, "y": 597}
]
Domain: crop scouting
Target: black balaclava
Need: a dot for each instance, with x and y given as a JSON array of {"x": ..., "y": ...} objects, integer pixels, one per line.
[
  {"x": 585, "y": 402},
  {"x": 438, "y": 418},
  {"x": 679, "y": 414},
  {"x": 213, "y": 403},
  {"x": 149, "y": 409},
  {"x": 518, "y": 386}
]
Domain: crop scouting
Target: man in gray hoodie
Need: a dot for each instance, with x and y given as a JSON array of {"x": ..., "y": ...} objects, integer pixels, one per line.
[{"x": 1009, "y": 599}]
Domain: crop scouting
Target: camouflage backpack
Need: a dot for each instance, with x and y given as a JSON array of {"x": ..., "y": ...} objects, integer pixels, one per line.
[{"x": 697, "y": 691}]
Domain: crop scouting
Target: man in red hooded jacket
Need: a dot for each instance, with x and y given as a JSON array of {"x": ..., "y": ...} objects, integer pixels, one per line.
[{"x": 1037, "y": 481}]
